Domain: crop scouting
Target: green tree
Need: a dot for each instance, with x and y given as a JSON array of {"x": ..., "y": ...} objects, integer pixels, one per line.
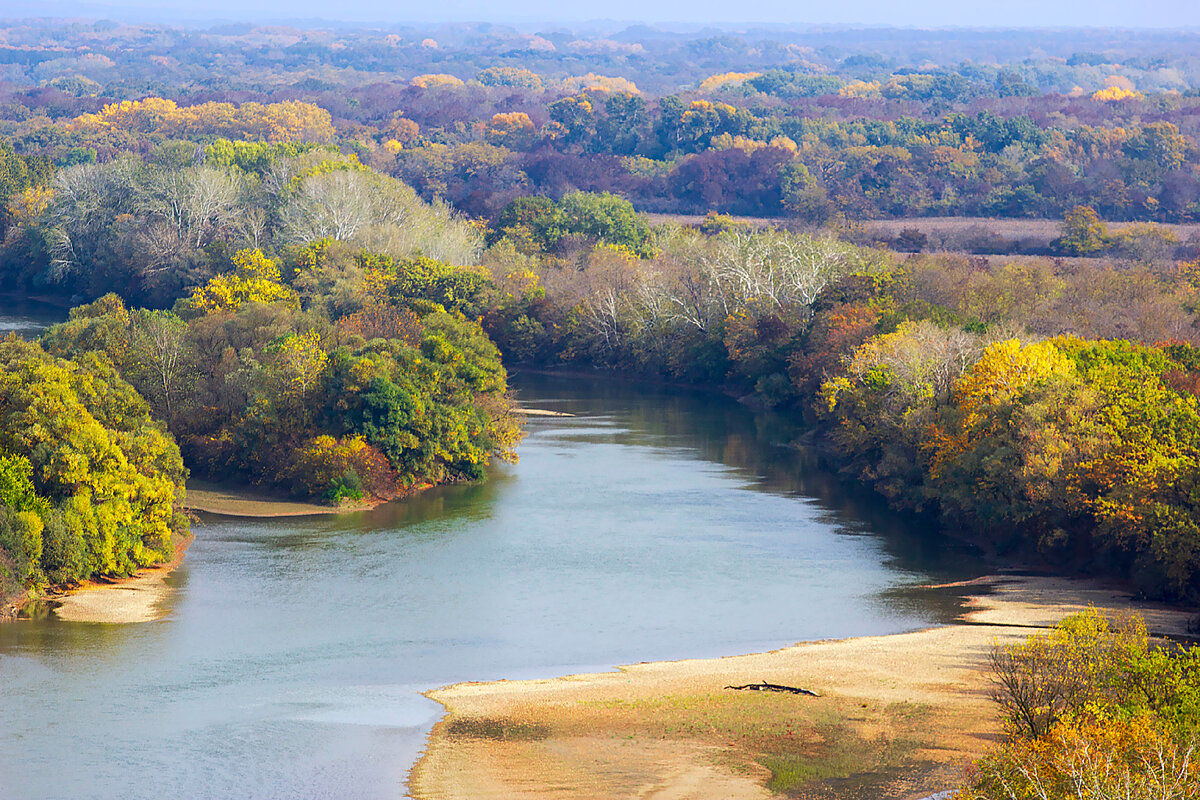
[{"x": 1083, "y": 232}]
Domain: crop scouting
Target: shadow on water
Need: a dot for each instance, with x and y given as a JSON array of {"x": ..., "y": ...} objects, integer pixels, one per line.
[
  {"x": 27, "y": 317},
  {"x": 759, "y": 447}
]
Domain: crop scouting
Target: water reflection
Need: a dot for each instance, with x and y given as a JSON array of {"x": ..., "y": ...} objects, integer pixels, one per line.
[
  {"x": 758, "y": 447},
  {"x": 653, "y": 525},
  {"x": 26, "y": 317}
]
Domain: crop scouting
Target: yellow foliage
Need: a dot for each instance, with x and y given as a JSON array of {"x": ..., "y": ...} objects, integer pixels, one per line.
[
  {"x": 1113, "y": 94},
  {"x": 289, "y": 121},
  {"x": 861, "y": 89},
  {"x": 600, "y": 83},
  {"x": 435, "y": 80},
  {"x": 521, "y": 282},
  {"x": 392, "y": 146},
  {"x": 512, "y": 128},
  {"x": 334, "y": 163},
  {"x": 303, "y": 360},
  {"x": 256, "y": 280},
  {"x": 1002, "y": 373},
  {"x": 377, "y": 283},
  {"x": 726, "y": 79},
  {"x": 1007, "y": 368},
  {"x": 510, "y": 121},
  {"x": 1189, "y": 271},
  {"x": 727, "y": 142},
  {"x": 30, "y": 204}
]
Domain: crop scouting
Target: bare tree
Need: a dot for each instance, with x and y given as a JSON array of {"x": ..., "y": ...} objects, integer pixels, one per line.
[{"x": 160, "y": 338}]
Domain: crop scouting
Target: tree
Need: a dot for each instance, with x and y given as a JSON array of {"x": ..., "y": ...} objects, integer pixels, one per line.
[
  {"x": 1083, "y": 232},
  {"x": 160, "y": 344},
  {"x": 256, "y": 280},
  {"x": 1093, "y": 710}
]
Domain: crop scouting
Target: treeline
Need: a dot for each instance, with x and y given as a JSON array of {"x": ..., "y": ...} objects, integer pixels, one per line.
[
  {"x": 1047, "y": 410},
  {"x": 156, "y": 226},
  {"x": 90, "y": 483},
  {"x": 478, "y": 147},
  {"x": 80, "y": 58},
  {"x": 810, "y": 160},
  {"x": 864, "y": 128},
  {"x": 1093, "y": 709}
]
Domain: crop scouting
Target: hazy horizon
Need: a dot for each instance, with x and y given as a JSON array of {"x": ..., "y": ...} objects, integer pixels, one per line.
[{"x": 1163, "y": 14}]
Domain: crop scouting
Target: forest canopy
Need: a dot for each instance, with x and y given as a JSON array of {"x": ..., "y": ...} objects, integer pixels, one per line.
[
  {"x": 89, "y": 481},
  {"x": 312, "y": 281}
]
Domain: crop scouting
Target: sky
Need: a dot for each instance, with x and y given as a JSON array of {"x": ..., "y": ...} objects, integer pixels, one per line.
[{"x": 917, "y": 13}]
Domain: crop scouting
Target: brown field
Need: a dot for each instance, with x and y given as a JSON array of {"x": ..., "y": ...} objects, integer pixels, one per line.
[
  {"x": 1008, "y": 228},
  {"x": 948, "y": 233}
]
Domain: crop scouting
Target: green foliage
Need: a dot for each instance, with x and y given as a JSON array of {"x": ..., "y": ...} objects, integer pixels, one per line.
[
  {"x": 1093, "y": 710},
  {"x": 540, "y": 224},
  {"x": 432, "y": 410},
  {"x": 89, "y": 482},
  {"x": 425, "y": 279},
  {"x": 383, "y": 400},
  {"x": 257, "y": 157},
  {"x": 17, "y": 491},
  {"x": 607, "y": 218},
  {"x": 533, "y": 223}
]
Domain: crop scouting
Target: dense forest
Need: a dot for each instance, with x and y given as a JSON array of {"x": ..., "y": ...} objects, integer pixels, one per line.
[
  {"x": 807, "y": 124},
  {"x": 310, "y": 282}
]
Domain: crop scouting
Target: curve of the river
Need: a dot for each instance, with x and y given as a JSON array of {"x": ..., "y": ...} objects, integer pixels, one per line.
[{"x": 653, "y": 524}]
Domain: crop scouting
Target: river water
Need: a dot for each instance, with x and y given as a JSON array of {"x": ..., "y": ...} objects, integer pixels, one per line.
[{"x": 653, "y": 524}]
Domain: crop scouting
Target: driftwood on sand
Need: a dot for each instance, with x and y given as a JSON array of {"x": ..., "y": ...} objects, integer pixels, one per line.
[{"x": 774, "y": 687}]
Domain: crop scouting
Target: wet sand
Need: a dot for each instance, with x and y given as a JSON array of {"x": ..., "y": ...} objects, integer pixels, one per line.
[
  {"x": 138, "y": 598},
  {"x": 898, "y": 717}
]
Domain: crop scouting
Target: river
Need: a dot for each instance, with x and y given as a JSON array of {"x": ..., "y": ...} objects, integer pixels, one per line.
[{"x": 653, "y": 524}]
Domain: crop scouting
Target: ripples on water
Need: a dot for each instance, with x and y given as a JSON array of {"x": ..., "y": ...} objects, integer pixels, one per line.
[{"x": 652, "y": 525}]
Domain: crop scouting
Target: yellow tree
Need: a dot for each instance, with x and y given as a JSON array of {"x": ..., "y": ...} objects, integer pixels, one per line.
[
  {"x": 302, "y": 360},
  {"x": 256, "y": 280}
]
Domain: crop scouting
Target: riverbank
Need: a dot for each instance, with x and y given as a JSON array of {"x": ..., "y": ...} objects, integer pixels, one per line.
[
  {"x": 241, "y": 501},
  {"x": 138, "y": 598},
  {"x": 897, "y": 716}
]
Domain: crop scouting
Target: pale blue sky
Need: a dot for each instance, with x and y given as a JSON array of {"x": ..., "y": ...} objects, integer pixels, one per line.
[{"x": 922, "y": 13}]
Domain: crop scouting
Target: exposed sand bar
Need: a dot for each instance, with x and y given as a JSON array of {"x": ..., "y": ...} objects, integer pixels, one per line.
[
  {"x": 916, "y": 704},
  {"x": 242, "y": 501},
  {"x": 138, "y": 598}
]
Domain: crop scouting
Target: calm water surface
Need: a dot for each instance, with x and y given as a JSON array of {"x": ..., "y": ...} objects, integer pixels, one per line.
[
  {"x": 26, "y": 317},
  {"x": 651, "y": 525}
]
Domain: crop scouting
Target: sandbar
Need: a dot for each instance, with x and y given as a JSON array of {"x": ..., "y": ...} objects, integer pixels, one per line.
[
  {"x": 138, "y": 598},
  {"x": 242, "y": 501},
  {"x": 898, "y": 716}
]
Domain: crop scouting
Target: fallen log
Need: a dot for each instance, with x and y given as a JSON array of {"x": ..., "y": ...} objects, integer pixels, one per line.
[{"x": 773, "y": 687}]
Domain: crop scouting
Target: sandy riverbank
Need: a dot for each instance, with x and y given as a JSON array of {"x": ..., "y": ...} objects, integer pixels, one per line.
[
  {"x": 243, "y": 501},
  {"x": 138, "y": 598},
  {"x": 898, "y": 716}
]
